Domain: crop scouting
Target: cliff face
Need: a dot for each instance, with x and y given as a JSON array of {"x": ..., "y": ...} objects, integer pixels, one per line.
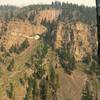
[
  {"x": 74, "y": 40},
  {"x": 17, "y": 31},
  {"x": 25, "y": 28},
  {"x": 82, "y": 44},
  {"x": 80, "y": 38},
  {"x": 48, "y": 15},
  {"x": 59, "y": 39}
]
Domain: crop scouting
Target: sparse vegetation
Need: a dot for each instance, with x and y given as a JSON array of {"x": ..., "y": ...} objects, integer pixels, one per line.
[
  {"x": 44, "y": 90},
  {"x": 11, "y": 65},
  {"x": 19, "y": 48},
  {"x": 35, "y": 73},
  {"x": 67, "y": 59},
  {"x": 87, "y": 94},
  {"x": 10, "y": 91},
  {"x": 32, "y": 90},
  {"x": 51, "y": 27},
  {"x": 14, "y": 49},
  {"x": 23, "y": 45}
]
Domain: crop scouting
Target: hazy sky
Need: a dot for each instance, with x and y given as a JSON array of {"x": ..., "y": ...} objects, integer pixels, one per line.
[{"x": 27, "y": 2}]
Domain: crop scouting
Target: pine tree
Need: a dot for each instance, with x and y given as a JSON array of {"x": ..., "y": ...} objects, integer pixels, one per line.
[
  {"x": 24, "y": 45},
  {"x": 86, "y": 93},
  {"x": 43, "y": 89},
  {"x": 34, "y": 89},
  {"x": 52, "y": 75},
  {"x": 11, "y": 65},
  {"x": 27, "y": 96},
  {"x": 14, "y": 49},
  {"x": 2, "y": 48},
  {"x": 10, "y": 91}
]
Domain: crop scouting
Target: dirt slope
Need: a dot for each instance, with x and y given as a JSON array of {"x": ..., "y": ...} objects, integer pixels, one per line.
[{"x": 71, "y": 85}]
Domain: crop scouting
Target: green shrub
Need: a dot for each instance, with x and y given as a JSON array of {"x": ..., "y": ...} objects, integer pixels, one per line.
[
  {"x": 23, "y": 45},
  {"x": 11, "y": 65},
  {"x": 18, "y": 49},
  {"x": 86, "y": 93},
  {"x": 43, "y": 89},
  {"x": 10, "y": 91}
]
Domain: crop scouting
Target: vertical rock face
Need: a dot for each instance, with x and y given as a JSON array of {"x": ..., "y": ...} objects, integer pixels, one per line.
[
  {"x": 48, "y": 15},
  {"x": 18, "y": 30},
  {"x": 70, "y": 40},
  {"x": 82, "y": 44},
  {"x": 78, "y": 38},
  {"x": 25, "y": 28},
  {"x": 59, "y": 36}
]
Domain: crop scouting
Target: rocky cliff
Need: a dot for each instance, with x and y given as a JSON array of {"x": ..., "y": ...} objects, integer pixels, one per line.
[{"x": 27, "y": 62}]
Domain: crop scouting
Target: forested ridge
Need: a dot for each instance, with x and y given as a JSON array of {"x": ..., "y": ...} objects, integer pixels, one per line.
[{"x": 70, "y": 12}]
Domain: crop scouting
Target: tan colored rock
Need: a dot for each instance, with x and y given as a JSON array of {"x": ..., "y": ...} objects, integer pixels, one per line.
[{"x": 49, "y": 15}]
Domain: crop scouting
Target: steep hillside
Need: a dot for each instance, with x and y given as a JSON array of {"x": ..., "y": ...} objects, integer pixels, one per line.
[
  {"x": 47, "y": 56},
  {"x": 79, "y": 38},
  {"x": 48, "y": 15},
  {"x": 17, "y": 31},
  {"x": 59, "y": 35},
  {"x": 71, "y": 85},
  {"x": 82, "y": 41}
]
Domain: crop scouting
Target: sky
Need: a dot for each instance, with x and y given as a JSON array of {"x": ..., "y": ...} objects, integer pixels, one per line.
[{"x": 28, "y": 2}]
